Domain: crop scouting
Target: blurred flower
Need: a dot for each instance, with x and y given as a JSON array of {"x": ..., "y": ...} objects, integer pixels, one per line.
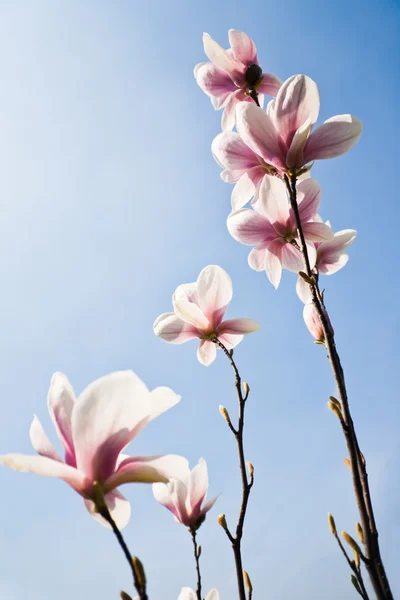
[
  {"x": 270, "y": 226},
  {"x": 94, "y": 429},
  {"x": 199, "y": 308},
  {"x": 282, "y": 135},
  {"x": 189, "y": 594},
  {"x": 233, "y": 75},
  {"x": 184, "y": 497}
]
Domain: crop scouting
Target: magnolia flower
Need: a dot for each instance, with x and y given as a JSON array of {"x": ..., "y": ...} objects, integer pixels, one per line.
[
  {"x": 331, "y": 258},
  {"x": 270, "y": 226},
  {"x": 93, "y": 430},
  {"x": 313, "y": 321},
  {"x": 184, "y": 497},
  {"x": 198, "y": 312},
  {"x": 233, "y": 75},
  {"x": 282, "y": 136},
  {"x": 188, "y": 594}
]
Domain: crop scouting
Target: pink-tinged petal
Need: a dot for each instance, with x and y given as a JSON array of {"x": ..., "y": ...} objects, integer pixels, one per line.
[
  {"x": 213, "y": 595},
  {"x": 198, "y": 486},
  {"x": 297, "y": 102},
  {"x": 229, "y": 114},
  {"x": 105, "y": 419},
  {"x": 42, "y": 465},
  {"x": 186, "y": 291},
  {"x": 333, "y": 138},
  {"x": 162, "y": 492},
  {"x": 272, "y": 200},
  {"x": 291, "y": 258},
  {"x": 172, "y": 329},
  {"x": 119, "y": 507},
  {"x": 243, "y": 47},
  {"x": 188, "y": 594},
  {"x": 246, "y": 187},
  {"x": 295, "y": 154},
  {"x": 232, "y": 154},
  {"x": 249, "y": 227},
  {"x": 238, "y": 326},
  {"x": 208, "y": 505},
  {"x": 206, "y": 352},
  {"x": 214, "y": 82},
  {"x": 330, "y": 257},
  {"x": 192, "y": 314},
  {"x": 147, "y": 469},
  {"x": 258, "y": 132},
  {"x": 312, "y": 254},
  {"x": 223, "y": 59},
  {"x": 256, "y": 259},
  {"x": 337, "y": 263},
  {"x": 270, "y": 84},
  {"x": 41, "y": 442},
  {"x": 273, "y": 265},
  {"x": 230, "y": 340},
  {"x": 317, "y": 232},
  {"x": 214, "y": 288},
  {"x": 303, "y": 290},
  {"x": 314, "y": 323},
  {"x": 308, "y": 198},
  {"x": 60, "y": 402}
]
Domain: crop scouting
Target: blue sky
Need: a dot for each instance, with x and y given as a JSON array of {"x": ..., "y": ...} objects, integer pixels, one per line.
[{"x": 110, "y": 198}]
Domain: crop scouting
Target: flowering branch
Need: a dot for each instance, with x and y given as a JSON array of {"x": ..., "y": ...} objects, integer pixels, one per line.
[
  {"x": 197, "y": 553},
  {"x": 247, "y": 482},
  {"x": 373, "y": 560},
  {"x": 135, "y": 565}
]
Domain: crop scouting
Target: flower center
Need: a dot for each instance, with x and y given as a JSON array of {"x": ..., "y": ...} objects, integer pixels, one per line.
[
  {"x": 252, "y": 76},
  {"x": 289, "y": 237}
]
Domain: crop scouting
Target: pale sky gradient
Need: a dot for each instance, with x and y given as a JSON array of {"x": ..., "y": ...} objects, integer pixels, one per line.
[{"x": 110, "y": 198}]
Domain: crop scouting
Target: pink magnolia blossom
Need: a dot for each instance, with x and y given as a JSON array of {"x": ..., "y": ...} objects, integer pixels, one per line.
[
  {"x": 282, "y": 136},
  {"x": 270, "y": 226},
  {"x": 184, "y": 497},
  {"x": 233, "y": 75},
  {"x": 331, "y": 257},
  {"x": 93, "y": 430},
  {"x": 199, "y": 308},
  {"x": 313, "y": 322},
  {"x": 188, "y": 594}
]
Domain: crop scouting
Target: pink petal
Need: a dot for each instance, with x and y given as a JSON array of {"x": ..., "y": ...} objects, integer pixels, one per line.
[
  {"x": 198, "y": 486},
  {"x": 188, "y": 594},
  {"x": 256, "y": 259},
  {"x": 334, "y": 264},
  {"x": 162, "y": 492},
  {"x": 308, "y": 198},
  {"x": 313, "y": 321},
  {"x": 270, "y": 84},
  {"x": 258, "y": 132},
  {"x": 214, "y": 82},
  {"x": 223, "y": 60},
  {"x": 229, "y": 114},
  {"x": 330, "y": 254},
  {"x": 272, "y": 200},
  {"x": 214, "y": 288},
  {"x": 238, "y": 326},
  {"x": 60, "y": 402},
  {"x": 191, "y": 314},
  {"x": 246, "y": 187},
  {"x": 273, "y": 265},
  {"x": 42, "y": 465},
  {"x": 291, "y": 258},
  {"x": 303, "y": 290},
  {"x": 206, "y": 352},
  {"x": 147, "y": 469},
  {"x": 172, "y": 329},
  {"x": 243, "y": 47},
  {"x": 186, "y": 291},
  {"x": 213, "y": 595},
  {"x": 317, "y": 232},
  {"x": 230, "y": 340},
  {"x": 119, "y": 507},
  {"x": 232, "y": 154},
  {"x": 41, "y": 442},
  {"x": 334, "y": 137},
  {"x": 249, "y": 227},
  {"x": 297, "y": 102},
  {"x": 294, "y": 157}
]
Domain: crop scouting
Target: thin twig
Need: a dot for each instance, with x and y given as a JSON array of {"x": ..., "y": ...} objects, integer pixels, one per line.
[
  {"x": 353, "y": 567},
  {"x": 196, "y": 552},
  {"x": 247, "y": 483},
  {"x": 374, "y": 562}
]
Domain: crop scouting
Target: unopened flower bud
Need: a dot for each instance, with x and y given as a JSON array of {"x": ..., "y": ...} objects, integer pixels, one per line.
[
  {"x": 332, "y": 525},
  {"x": 356, "y": 585},
  {"x": 313, "y": 321},
  {"x": 246, "y": 388},
  {"x": 224, "y": 413},
  {"x": 335, "y": 401},
  {"x": 360, "y": 532},
  {"x": 347, "y": 462},
  {"x": 247, "y": 582},
  {"x": 139, "y": 571},
  {"x": 307, "y": 279},
  {"x": 351, "y": 542},
  {"x": 199, "y": 552},
  {"x": 250, "y": 469},
  {"x": 124, "y": 595},
  {"x": 336, "y": 410},
  {"x": 357, "y": 559},
  {"x": 222, "y": 521}
]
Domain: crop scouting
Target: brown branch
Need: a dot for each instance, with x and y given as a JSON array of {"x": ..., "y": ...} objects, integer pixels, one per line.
[
  {"x": 374, "y": 562},
  {"x": 196, "y": 552},
  {"x": 247, "y": 484}
]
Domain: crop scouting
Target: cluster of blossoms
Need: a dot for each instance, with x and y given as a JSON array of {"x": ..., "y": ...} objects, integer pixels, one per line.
[{"x": 268, "y": 150}]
